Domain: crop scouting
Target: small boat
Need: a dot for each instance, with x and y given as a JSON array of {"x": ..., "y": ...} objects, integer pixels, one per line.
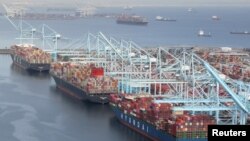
[
  {"x": 244, "y": 32},
  {"x": 159, "y": 18},
  {"x": 127, "y": 7},
  {"x": 190, "y": 9},
  {"x": 201, "y": 33},
  {"x": 215, "y": 18}
]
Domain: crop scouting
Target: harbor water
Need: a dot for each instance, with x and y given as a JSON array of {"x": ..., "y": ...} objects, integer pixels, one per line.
[{"x": 182, "y": 32}]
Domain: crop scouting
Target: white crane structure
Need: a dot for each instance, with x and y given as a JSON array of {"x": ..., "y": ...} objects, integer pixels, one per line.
[{"x": 192, "y": 83}]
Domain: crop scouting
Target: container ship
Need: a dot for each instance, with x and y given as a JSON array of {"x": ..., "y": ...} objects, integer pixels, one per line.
[
  {"x": 244, "y": 32},
  {"x": 131, "y": 19},
  {"x": 83, "y": 82},
  {"x": 158, "y": 121},
  {"x": 30, "y": 57}
]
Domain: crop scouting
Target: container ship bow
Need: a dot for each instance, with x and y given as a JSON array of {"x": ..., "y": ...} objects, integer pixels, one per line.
[
  {"x": 158, "y": 121},
  {"x": 30, "y": 58},
  {"x": 83, "y": 82}
]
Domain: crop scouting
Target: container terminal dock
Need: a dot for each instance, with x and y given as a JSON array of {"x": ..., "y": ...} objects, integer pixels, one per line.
[
  {"x": 163, "y": 93},
  {"x": 171, "y": 86}
]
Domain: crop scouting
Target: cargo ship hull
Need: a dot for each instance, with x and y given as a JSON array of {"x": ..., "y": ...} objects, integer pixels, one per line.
[
  {"x": 29, "y": 66},
  {"x": 246, "y": 33},
  {"x": 167, "y": 20},
  {"x": 147, "y": 129},
  {"x": 131, "y": 22},
  {"x": 78, "y": 93}
]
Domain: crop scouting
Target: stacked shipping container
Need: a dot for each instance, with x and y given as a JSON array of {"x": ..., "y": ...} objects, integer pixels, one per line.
[
  {"x": 232, "y": 65},
  {"x": 87, "y": 77},
  {"x": 159, "y": 88},
  {"x": 180, "y": 124},
  {"x": 31, "y": 54}
]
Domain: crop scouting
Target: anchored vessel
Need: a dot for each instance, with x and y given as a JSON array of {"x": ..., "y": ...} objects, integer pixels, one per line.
[
  {"x": 30, "y": 57},
  {"x": 131, "y": 19},
  {"x": 215, "y": 18},
  {"x": 244, "y": 32},
  {"x": 84, "y": 82},
  {"x": 201, "y": 33},
  {"x": 159, "y": 18},
  {"x": 159, "y": 122}
]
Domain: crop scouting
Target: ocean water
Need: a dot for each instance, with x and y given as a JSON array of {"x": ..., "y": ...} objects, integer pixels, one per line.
[{"x": 180, "y": 33}]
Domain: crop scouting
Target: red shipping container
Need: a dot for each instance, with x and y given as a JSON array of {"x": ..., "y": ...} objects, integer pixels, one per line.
[{"x": 95, "y": 72}]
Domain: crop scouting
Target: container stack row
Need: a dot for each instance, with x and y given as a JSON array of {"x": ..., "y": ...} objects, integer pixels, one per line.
[
  {"x": 31, "y": 54},
  {"x": 85, "y": 76},
  {"x": 180, "y": 124},
  {"x": 232, "y": 64}
]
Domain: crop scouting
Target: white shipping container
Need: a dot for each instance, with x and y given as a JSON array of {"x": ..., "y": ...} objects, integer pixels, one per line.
[
  {"x": 222, "y": 76},
  {"x": 153, "y": 60},
  {"x": 226, "y": 49},
  {"x": 185, "y": 68},
  {"x": 144, "y": 57},
  {"x": 131, "y": 54}
]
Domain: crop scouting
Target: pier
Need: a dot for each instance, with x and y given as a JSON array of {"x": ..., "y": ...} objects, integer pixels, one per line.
[{"x": 5, "y": 51}]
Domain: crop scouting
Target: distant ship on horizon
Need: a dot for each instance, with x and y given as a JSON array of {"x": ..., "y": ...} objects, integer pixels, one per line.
[
  {"x": 131, "y": 19},
  {"x": 239, "y": 32},
  {"x": 190, "y": 9},
  {"x": 128, "y": 7},
  {"x": 159, "y": 18},
  {"x": 202, "y": 33},
  {"x": 216, "y": 18}
]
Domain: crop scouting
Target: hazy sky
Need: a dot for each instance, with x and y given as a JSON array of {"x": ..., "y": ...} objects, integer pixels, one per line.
[{"x": 135, "y": 2}]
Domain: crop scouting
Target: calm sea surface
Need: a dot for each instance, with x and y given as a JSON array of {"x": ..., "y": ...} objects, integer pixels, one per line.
[
  {"x": 182, "y": 32},
  {"x": 31, "y": 109}
]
